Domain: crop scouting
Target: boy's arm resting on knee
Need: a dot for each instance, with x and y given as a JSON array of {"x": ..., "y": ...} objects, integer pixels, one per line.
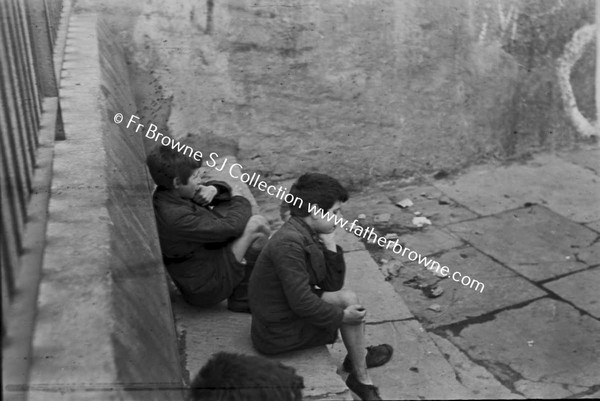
[
  {"x": 207, "y": 227},
  {"x": 291, "y": 269},
  {"x": 336, "y": 270}
]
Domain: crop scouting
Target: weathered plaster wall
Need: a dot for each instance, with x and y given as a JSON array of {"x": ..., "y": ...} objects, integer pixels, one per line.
[{"x": 368, "y": 89}]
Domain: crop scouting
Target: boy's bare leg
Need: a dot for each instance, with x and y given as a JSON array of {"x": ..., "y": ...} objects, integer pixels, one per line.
[
  {"x": 353, "y": 335},
  {"x": 257, "y": 229}
]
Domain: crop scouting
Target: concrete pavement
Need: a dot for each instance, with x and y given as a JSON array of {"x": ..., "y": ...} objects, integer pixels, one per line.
[{"x": 528, "y": 231}]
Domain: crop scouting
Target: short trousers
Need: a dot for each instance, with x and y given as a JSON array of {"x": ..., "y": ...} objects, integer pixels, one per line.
[
  {"x": 314, "y": 336},
  {"x": 209, "y": 276}
]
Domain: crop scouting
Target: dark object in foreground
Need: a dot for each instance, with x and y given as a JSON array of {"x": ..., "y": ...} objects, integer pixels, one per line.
[
  {"x": 238, "y": 377},
  {"x": 441, "y": 174}
]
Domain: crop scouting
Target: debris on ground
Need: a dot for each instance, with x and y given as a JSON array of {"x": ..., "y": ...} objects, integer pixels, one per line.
[
  {"x": 404, "y": 203},
  {"x": 435, "y": 307},
  {"x": 444, "y": 200},
  {"x": 438, "y": 274},
  {"x": 382, "y": 218},
  {"x": 415, "y": 282},
  {"x": 417, "y": 213},
  {"x": 390, "y": 270},
  {"x": 362, "y": 216},
  {"x": 441, "y": 174},
  {"x": 421, "y": 221},
  {"x": 433, "y": 291},
  {"x": 391, "y": 236}
]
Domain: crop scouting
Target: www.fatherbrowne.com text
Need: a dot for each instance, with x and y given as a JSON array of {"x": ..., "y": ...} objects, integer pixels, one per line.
[{"x": 280, "y": 192}]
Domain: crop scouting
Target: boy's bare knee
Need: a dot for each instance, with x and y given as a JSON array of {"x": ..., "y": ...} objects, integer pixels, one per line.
[
  {"x": 349, "y": 297},
  {"x": 259, "y": 242},
  {"x": 256, "y": 224}
]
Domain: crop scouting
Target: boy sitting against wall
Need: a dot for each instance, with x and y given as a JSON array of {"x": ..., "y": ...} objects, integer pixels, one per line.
[
  {"x": 296, "y": 293},
  {"x": 205, "y": 231}
]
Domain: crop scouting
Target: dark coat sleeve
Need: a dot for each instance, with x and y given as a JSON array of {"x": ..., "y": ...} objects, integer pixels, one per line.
[
  {"x": 290, "y": 262},
  {"x": 206, "y": 227}
]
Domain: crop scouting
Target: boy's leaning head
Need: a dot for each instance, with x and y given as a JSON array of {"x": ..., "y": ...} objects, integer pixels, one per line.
[
  {"x": 166, "y": 165},
  {"x": 316, "y": 189},
  {"x": 236, "y": 377}
]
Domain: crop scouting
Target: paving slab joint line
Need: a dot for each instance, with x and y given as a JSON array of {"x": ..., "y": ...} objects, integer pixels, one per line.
[
  {"x": 475, "y": 361},
  {"x": 591, "y": 390},
  {"x": 431, "y": 183},
  {"x": 557, "y": 297},
  {"x": 538, "y": 284},
  {"x": 408, "y": 319},
  {"x": 343, "y": 395},
  {"x": 561, "y": 276},
  {"x": 456, "y": 327}
]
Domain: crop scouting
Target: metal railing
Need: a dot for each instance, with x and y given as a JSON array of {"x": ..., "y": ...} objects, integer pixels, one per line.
[{"x": 28, "y": 30}]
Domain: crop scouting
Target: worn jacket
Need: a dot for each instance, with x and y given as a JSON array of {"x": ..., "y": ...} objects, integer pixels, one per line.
[
  {"x": 195, "y": 241},
  {"x": 282, "y": 287}
]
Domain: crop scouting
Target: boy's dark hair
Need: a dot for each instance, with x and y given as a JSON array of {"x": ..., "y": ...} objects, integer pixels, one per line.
[
  {"x": 315, "y": 188},
  {"x": 236, "y": 377},
  {"x": 166, "y": 163}
]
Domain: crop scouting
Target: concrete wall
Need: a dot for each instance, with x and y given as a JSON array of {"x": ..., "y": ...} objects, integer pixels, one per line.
[
  {"x": 105, "y": 327},
  {"x": 368, "y": 89},
  {"x": 144, "y": 339}
]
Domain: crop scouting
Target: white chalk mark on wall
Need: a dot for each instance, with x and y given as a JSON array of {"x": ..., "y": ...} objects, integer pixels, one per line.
[
  {"x": 507, "y": 19},
  {"x": 573, "y": 51},
  {"x": 483, "y": 31}
]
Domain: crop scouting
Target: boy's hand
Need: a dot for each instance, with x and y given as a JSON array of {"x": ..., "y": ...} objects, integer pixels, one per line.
[
  {"x": 354, "y": 314},
  {"x": 205, "y": 194},
  {"x": 329, "y": 241}
]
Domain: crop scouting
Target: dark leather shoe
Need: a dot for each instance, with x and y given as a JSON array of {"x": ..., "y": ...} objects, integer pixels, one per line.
[
  {"x": 377, "y": 355},
  {"x": 363, "y": 391},
  {"x": 238, "y": 306},
  {"x": 238, "y": 300}
]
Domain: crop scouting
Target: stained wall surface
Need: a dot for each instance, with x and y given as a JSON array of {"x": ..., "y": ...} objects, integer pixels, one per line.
[{"x": 368, "y": 89}]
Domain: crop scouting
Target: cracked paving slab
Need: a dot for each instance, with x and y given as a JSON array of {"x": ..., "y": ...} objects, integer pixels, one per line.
[
  {"x": 581, "y": 289},
  {"x": 417, "y": 369},
  {"x": 546, "y": 349},
  {"x": 564, "y": 187},
  {"x": 503, "y": 288},
  {"x": 473, "y": 376},
  {"x": 590, "y": 255},
  {"x": 534, "y": 241},
  {"x": 428, "y": 241},
  {"x": 595, "y": 225}
]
